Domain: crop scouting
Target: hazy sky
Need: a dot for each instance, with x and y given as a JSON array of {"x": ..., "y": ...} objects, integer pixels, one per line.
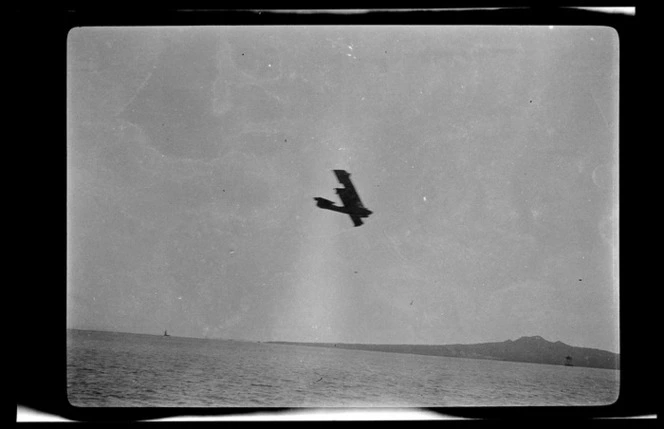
[{"x": 487, "y": 154}]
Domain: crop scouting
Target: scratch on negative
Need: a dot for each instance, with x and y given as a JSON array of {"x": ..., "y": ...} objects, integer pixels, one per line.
[{"x": 606, "y": 123}]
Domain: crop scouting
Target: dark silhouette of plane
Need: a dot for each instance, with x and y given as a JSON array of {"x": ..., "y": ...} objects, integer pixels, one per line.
[{"x": 352, "y": 205}]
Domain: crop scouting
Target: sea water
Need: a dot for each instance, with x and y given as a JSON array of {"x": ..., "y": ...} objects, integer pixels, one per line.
[{"x": 127, "y": 370}]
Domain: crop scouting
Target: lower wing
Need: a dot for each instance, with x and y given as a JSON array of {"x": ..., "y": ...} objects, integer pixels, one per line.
[{"x": 357, "y": 221}]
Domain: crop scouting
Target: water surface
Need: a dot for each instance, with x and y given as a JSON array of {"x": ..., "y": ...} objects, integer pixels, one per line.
[{"x": 127, "y": 370}]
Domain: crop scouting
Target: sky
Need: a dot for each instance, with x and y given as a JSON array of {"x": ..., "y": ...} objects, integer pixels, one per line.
[{"x": 488, "y": 155}]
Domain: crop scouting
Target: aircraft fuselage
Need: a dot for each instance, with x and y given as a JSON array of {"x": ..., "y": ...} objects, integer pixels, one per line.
[{"x": 329, "y": 205}]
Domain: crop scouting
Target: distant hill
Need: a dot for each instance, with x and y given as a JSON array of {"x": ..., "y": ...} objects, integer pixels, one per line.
[{"x": 526, "y": 349}]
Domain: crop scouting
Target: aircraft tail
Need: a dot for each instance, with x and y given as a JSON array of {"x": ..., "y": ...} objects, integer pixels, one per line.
[{"x": 323, "y": 203}]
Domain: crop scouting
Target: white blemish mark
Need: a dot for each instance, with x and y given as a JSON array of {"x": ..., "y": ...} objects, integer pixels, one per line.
[{"x": 424, "y": 198}]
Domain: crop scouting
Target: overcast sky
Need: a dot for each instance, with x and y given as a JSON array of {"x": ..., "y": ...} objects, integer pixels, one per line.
[{"x": 487, "y": 154}]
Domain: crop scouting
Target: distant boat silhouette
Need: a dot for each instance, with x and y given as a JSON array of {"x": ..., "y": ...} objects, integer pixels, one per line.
[
  {"x": 568, "y": 361},
  {"x": 166, "y": 334}
]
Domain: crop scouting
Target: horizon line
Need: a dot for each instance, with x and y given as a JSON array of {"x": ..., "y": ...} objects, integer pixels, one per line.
[{"x": 341, "y": 342}]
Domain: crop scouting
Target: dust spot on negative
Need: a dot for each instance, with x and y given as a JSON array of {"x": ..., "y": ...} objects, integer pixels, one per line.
[{"x": 255, "y": 57}]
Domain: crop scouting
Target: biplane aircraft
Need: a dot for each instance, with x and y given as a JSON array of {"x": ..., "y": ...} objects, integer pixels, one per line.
[{"x": 352, "y": 205}]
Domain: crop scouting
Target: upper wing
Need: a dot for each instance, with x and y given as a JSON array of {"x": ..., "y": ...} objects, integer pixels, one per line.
[{"x": 349, "y": 195}]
